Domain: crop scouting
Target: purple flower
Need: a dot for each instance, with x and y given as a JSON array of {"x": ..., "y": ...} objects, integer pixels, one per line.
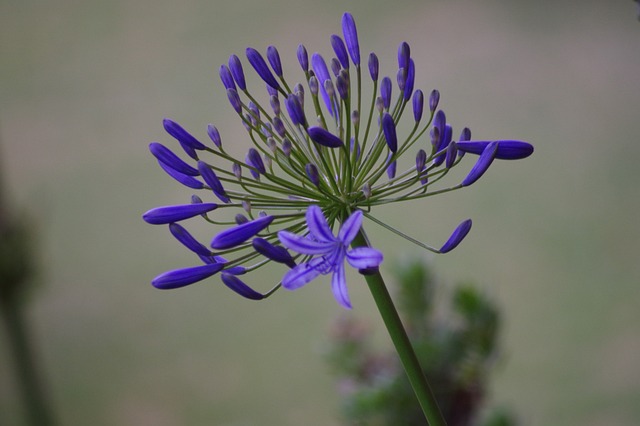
[
  {"x": 237, "y": 285},
  {"x": 389, "y": 129},
  {"x": 257, "y": 62},
  {"x": 303, "y": 58},
  {"x": 330, "y": 253},
  {"x": 186, "y": 180},
  {"x": 374, "y": 66},
  {"x": 236, "y": 71},
  {"x": 167, "y": 157},
  {"x": 340, "y": 51},
  {"x": 351, "y": 37},
  {"x": 274, "y": 60},
  {"x": 185, "y": 276},
  {"x": 322, "y": 74},
  {"x": 237, "y": 235},
  {"x": 483, "y": 163},
  {"x": 507, "y": 149},
  {"x": 458, "y": 235},
  {"x": 323, "y": 137}
]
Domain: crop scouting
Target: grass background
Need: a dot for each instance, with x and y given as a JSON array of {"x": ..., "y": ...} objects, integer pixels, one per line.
[{"x": 84, "y": 86}]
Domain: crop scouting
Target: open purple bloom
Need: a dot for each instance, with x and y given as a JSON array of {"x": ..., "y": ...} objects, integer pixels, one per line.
[{"x": 330, "y": 253}]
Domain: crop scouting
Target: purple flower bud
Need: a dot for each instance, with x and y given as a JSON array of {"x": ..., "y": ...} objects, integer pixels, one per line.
[
  {"x": 389, "y": 129},
  {"x": 450, "y": 156},
  {"x": 241, "y": 219},
  {"x": 295, "y": 110},
  {"x": 278, "y": 126},
  {"x": 379, "y": 104},
  {"x": 385, "y": 92},
  {"x": 274, "y": 60},
  {"x": 237, "y": 235},
  {"x": 411, "y": 75},
  {"x": 483, "y": 163},
  {"x": 335, "y": 67},
  {"x": 167, "y": 157},
  {"x": 418, "y": 105},
  {"x": 507, "y": 149},
  {"x": 351, "y": 37},
  {"x": 275, "y": 105},
  {"x": 421, "y": 160},
  {"x": 324, "y": 137},
  {"x": 312, "y": 174},
  {"x": 183, "y": 277},
  {"x": 355, "y": 146},
  {"x": 401, "y": 78},
  {"x": 234, "y": 99},
  {"x": 169, "y": 214},
  {"x": 257, "y": 62},
  {"x": 303, "y": 58},
  {"x": 299, "y": 92},
  {"x": 313, "y": 85},
  {"x": 434, "y": 99},
  {"x": 181, "y": 135},
  {"x": 195, "y": 199},
  {"x": 255, "y": 161},
  {"x": 456, "y": 238},
  {"x": 237, "y": 170},
  {"x": 186, "y": 180},
  {"x": 227, "y": 78},
  {"x": 286, "y": 147},
  {"x": 404, "y": 53},
  {"x": 276, "y": 253},
  {"x": 212, "y": 180},
  {"x": 465, "y": 135},
  {"x": 213, "y": 133},
  {"x": 340, "y": 50},
  {"x": 391, "y": 167},
  {"x": 355, "y": 117},
  {"x": 236, "y": 71},
  {"x": 246, "y": 205},
  {"x": 236, "y": 284},
  {"x": 342, "y": 86},
  {"x": 322, "y": 74},
  {"x": 188, "y": 240},
  {"x": 373, "y": 66}
]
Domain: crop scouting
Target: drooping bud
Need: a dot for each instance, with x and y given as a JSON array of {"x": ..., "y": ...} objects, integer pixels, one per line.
[
  {"x": 186, "y": 180},
  {"x": 237, "y": 235},
  {"x": 295, "y": 110},
  {"x": 351, "y": 37},
  {"x": 234, "y": 100},
  {"x": 385, "y": 92},
  {"x": 483, "y": 163},
  {"x": 456, "y": 238},
  {"x": 257, "y": 62},
  {"x": 183, "y": 277},
  {"x": 166, "y": 156},
  {"x": 374, "y": 66},
  {"x": 389, "y": 129},
  {"x": 274, "y": 60},
  {"x": 418, "y": 105},
  {"x": 507, "y": 149},
  {"x": 303, "y": 58},
  {"x": 276, "y": 253},
  {"x": 236, "y": 71},
  {"x": 188, "y": 240},
  {"x": 212, "y": 180},
  {"x": 237, "y": 285},
  {"x": 324, "y": 137},
  {"x": 168, "y": 214},
  {"x": 312, "y": 174}
]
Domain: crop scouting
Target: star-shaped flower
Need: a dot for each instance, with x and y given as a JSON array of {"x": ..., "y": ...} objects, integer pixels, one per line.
[{"x": 330, "y": 252}]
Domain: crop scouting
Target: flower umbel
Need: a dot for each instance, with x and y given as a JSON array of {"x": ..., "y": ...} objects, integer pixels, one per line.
[{"x": 335, "y": 150}]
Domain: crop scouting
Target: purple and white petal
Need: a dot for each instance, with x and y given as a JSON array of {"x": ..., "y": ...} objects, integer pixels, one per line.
[
  {"x": 305, "y": 245},
  {"x": 317, "y": 224},
  {"x": 301, "y": 274},
  {"x": 364, "y": 257}
]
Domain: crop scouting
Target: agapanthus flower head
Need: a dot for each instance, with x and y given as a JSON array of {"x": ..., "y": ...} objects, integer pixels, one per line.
[{"x": 318, "y": 167}]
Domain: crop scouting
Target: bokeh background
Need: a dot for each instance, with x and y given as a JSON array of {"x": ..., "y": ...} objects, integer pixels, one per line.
[{"x": 85, "y": 85}]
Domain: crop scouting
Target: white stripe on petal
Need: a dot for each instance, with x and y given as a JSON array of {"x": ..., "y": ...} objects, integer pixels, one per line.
[{"x": 364, "y": 257}]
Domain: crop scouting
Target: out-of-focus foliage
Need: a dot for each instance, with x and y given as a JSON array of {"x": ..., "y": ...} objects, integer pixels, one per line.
[{"x": 455, "y": 335}]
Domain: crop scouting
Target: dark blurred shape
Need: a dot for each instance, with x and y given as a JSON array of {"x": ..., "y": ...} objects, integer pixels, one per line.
[{"x": 456, "y": 343}]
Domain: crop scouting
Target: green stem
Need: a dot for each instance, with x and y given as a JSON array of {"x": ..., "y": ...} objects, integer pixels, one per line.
[
  {"x": 401, "y": 342},
  {"x": 38, "y": 409}
]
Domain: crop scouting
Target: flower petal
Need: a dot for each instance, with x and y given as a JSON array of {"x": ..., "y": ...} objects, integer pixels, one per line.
[
  {"x": 507, "y": 149},
  {"x": 239, "y": 234},
  {"x": 483, "y": 163},
  {"x": 168, "y": 214},
  {"x": 301, "y": 274},
  {"x": 318, "y": 225},
  {"x": 458, "y": 235},
  {"x": 364, "y": 257},
  {"x": 339, "y": 286},
  {"x": 305, "y": 245},
  {"x": 350, "y": 228},
  {"x": 188, "y": 240},
  {"x": 237, "y": 285},
  {"x": 183, "y": 277}
]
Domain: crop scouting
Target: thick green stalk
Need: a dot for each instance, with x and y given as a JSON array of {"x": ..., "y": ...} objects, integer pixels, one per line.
[{"x": 401, "y": 342}]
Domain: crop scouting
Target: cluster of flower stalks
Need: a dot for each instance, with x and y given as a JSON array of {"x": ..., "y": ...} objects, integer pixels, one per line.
[{"x": 320, "y": 157}]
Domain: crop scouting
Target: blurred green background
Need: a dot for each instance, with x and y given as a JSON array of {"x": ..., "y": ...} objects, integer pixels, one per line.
[{"x": 85, "y": 85}]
